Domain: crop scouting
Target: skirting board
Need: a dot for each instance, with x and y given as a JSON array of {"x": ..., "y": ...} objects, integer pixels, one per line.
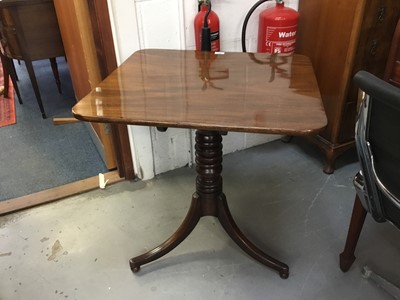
[{"x": 57, "y": 193}]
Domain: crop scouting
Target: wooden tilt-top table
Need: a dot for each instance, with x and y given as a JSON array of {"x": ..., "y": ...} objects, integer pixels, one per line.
[{"x": 213, "y": 93}]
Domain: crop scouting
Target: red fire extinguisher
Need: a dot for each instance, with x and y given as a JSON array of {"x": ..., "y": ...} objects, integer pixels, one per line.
[
  {"x": 277, "y": 28},
  {"x": 212, "y": 22}
]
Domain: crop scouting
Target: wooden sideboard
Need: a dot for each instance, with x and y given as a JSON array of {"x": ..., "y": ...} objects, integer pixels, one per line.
[{"x": 342, "y": 37}]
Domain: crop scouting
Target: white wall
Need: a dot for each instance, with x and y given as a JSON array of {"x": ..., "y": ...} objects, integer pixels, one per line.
[{"x": 139, "y": 24}]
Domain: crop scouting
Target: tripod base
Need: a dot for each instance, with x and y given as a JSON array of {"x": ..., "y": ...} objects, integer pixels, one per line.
[{"x": 209, "y": 200}]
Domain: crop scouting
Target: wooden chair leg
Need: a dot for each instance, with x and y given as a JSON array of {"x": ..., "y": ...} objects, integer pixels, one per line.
[
  {"x": 9, "y": 71},
  {"x": 54, "y": 67},
  {"x": 35, "y": 86},
  {"x": 357, "y": 221},
  {"x": 14, "y": 70},
  {"x": 6, "y": 75}
]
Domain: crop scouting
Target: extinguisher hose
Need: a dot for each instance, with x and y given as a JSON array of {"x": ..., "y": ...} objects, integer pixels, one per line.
[
  {"x": 206, "y": 32},
  {"x": 207, "y": 14},
  {"x": 246, "y": 20}
]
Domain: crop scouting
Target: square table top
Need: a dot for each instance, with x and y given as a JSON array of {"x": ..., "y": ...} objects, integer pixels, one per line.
[{"x": 227, "y": 91}]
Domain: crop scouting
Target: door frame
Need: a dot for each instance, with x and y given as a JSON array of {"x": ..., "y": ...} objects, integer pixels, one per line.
[{"x": 105, "y": 51}]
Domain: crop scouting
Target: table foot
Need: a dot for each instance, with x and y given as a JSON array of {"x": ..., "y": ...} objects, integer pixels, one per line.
[
  {"x": 187, "y": 226},
  {"x": 243, "y": 242}
]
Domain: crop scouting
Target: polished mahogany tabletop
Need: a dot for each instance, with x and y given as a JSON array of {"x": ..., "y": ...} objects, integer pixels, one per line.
[{"x": 243, "y": 92}]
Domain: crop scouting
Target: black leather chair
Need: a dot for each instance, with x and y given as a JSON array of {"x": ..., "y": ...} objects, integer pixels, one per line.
[{"x": 378, "y": 148}]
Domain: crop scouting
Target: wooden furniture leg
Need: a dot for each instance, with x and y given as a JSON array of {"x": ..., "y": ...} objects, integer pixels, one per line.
[
  {"x": 35, "y": 86},
  {"x": 188, "y": 224},
  {"x": 243, "y": 242},
  {"x": 14, "y": 70},
  {"x": 54, "y": 68},
  {"x": 9, "y": 71},
  {"x": 209, "y": 200},
  {"x": 357, "y": 221}
]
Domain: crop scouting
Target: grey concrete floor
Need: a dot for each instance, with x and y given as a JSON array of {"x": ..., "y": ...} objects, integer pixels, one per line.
[{"x": 79, "y": 248}]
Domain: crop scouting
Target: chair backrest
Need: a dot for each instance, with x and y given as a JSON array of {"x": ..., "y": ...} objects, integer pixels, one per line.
[{"x": 378, "y": 146}]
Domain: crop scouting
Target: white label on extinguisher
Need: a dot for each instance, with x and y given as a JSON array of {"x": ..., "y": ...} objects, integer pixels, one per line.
[
  {"x": 214, "y": 36},
  {"x": 280, "y": 39},
  {"x": 215, "y": 41}
]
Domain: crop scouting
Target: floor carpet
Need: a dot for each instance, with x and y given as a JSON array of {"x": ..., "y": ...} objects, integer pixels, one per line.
[{"x": 35, "y": 154}]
